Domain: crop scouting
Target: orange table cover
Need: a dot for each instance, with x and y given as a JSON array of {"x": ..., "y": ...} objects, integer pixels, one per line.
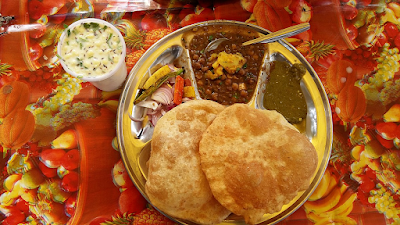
[{"x": 60, "y": 156}]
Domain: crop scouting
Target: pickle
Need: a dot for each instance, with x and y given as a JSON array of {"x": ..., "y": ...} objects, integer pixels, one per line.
[{"x": 144, "y": 93}]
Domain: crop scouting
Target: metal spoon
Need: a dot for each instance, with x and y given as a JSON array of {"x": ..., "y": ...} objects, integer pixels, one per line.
[
  {"x": 168, "y": 55},
  {"x": 284, "y": 33},
  {"x": 275, "y": 36},
  {"x": 214, "y": 44}
]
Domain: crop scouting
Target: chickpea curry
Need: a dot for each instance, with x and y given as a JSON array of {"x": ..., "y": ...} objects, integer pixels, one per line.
[{"x": 229, "y": 73}]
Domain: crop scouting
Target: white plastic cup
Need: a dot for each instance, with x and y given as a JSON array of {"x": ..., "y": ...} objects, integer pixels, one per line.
[{"x": 109, "y": 81}]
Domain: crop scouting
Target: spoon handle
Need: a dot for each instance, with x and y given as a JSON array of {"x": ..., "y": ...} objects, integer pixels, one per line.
[{"x": 287, "y": 32}]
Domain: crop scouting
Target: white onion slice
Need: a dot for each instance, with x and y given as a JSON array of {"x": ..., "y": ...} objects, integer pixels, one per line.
[
  {"x": 163, "y": 95},
  {"x": 148, "y": 104}
]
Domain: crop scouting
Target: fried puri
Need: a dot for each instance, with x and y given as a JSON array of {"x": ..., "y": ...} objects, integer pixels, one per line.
[
  {"x": 176, "y": 183},
  {"x": 255, "y": 161}
]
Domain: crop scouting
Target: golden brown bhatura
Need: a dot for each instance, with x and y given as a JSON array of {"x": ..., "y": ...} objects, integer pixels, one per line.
[
  {"x": 176, "y": 183},
  {"x": 255, "y": 161}
]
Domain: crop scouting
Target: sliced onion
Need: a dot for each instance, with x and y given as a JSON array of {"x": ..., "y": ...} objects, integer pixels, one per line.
[
  {"x": 171, "y": 80},
  {"x": 148, "y": 104},
  {"x": 172, "y": 67},
  {"x": 154, "y": 118},
  {"x": 163, "y": 95},
  {"x": 170, "y": 106},
  {"x": 152, "y": 112}
]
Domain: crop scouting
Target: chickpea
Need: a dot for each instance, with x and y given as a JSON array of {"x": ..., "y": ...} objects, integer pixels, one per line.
[
  {"x": 234, "y": 46},
  {"x": 241, "y": 72},
  {"x": 214, "y": 96},
  {"x": 223, "y": 77},
  {"x": 199, "y": 75},
  {"x": 202, "y": 61},
  {"x": 200, "y": 83},
  {"x": 233, "y": 100},
  {"x": 216, "y": 88},
  {"x": 243, "y": 93},
  {"x": 235, "y": 86},
  {"x": 255, "y": 57},
  {"x": 208, "y": 91},
  {"x": 228, "y": 82},
  {"x": 196, "y": 65},
  {"x": 204, "y": 68},
  {"x": 250, "y": 52}
]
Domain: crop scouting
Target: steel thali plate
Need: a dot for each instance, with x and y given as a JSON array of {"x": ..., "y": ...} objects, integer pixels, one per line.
[{"x": 134, "y": 139}]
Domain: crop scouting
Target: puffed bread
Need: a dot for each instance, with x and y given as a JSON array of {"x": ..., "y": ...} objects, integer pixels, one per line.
[
  {"x": 176, "y": 183},
  {"x": 255, "y": 161}
]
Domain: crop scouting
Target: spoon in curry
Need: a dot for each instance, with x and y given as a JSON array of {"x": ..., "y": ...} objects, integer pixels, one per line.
[{"x": 272, "y": 37}]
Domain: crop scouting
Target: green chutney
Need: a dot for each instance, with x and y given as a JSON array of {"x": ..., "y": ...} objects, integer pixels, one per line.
[{"x": 283, "y": 92}]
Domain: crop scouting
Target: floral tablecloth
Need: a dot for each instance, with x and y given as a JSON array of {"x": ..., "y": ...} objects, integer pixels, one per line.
[{"x": 60, "y": 155}]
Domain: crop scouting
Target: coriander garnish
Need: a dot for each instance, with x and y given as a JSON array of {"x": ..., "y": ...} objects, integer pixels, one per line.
[
  {"x": 91, "y": 25},
  {"x": 95, "y": 26},
  {"x": 80, "y": 62},
  {"x": 108, "y": 40}
]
